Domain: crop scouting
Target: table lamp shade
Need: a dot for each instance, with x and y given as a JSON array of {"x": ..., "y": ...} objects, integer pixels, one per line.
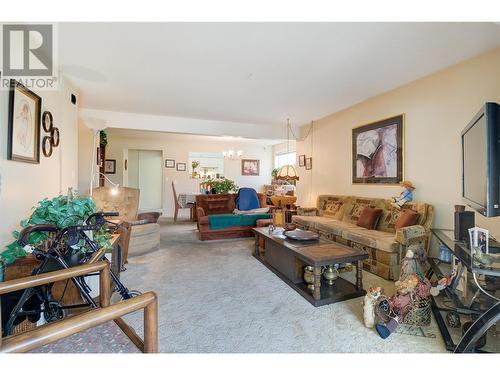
[{"x": 287, "y": 172}]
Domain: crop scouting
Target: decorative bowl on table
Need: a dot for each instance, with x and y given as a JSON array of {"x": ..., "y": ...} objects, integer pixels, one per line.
[{"x": 301, "y": 235}]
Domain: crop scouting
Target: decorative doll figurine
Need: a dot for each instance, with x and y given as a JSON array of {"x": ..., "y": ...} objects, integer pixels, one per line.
[
  {"x": 368, "y": 305},
  {"x": 409, "y": 266},
  {"x": 405, "y": 196}
]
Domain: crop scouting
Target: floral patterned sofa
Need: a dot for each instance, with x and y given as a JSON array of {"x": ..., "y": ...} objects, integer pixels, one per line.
[{"x": 335, "y": 218}]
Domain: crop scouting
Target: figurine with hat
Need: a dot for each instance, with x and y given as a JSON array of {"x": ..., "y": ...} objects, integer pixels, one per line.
[{"x": 405, "y": 196}]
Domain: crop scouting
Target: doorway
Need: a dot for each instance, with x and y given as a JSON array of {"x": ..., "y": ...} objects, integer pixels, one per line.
[{"x": 145, "y": 172}]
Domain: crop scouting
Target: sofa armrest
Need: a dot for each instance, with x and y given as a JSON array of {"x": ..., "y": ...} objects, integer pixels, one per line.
[
  {"x": 200, "y": 212},
  {"x": 307, "y": 211},
  {"x": 412, "y": 234}
]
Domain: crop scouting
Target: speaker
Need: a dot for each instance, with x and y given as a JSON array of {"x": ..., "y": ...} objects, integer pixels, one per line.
[{"x": 463, "y": 221}]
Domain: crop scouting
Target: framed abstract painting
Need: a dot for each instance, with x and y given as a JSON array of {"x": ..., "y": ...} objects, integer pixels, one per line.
[
  {"x": 23, "y": 142},
  {"x": 378, "y": 152}
]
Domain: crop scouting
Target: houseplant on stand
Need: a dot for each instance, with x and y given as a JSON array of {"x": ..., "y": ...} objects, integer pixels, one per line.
[
  {"x": 62, "y": 211},
  {"x": 223, "y": 186}
]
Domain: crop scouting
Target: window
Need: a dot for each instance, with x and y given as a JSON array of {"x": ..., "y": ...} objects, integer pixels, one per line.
[{"x": 284, "y": 159}]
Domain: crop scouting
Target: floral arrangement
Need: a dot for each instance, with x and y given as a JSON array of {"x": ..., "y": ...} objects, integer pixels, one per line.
[{"x": 195, "y": 164}]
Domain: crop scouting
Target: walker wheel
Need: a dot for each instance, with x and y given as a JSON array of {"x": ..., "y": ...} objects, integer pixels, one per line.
[
  {"x": 54, "y": 311},
  {"x": 132, "y": 294}
]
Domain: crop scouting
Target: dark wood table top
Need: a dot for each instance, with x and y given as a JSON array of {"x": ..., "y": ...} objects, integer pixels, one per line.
[{"x": 317, "y": 252}]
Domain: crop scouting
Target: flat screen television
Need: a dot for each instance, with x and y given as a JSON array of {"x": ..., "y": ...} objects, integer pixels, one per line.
[{"x": 481, "y": 161}]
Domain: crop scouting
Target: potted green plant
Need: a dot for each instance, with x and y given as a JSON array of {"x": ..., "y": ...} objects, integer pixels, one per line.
[
  {"x": 103, "y": 139},
  {"x": 62, "y": 211},
  {"x": 223, "y": 186},
  {"x": 274, "y": 173}
]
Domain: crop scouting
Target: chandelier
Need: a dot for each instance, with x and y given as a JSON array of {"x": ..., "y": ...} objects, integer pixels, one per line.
[
  {"x": 232, "y": 154},
  {"x": 287, "y": 172}
]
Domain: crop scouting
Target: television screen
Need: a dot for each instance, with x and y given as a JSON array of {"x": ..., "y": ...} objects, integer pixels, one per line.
[
  {"x": 475, "y": 163},
  {"x": 481, "y": 161}
]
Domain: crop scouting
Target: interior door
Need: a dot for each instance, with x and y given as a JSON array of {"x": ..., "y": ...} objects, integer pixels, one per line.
[{"x": 145, "y": 173}]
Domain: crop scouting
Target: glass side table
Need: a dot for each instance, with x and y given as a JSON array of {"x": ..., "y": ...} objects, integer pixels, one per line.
[{"x": 462, "y": 301}]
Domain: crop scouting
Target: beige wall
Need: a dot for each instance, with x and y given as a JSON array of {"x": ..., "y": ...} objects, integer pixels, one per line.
[
  {"x": 177, "y": 147},
  {"x": 22, "y": 185},
  {"x": 437, "y": 108}
]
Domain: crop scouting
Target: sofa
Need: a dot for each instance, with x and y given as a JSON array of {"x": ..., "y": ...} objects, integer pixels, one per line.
[
  {"x": 144, "y": 230},
  {"x": 335, "y": 218},
  {"x": 218, "y": 205}
]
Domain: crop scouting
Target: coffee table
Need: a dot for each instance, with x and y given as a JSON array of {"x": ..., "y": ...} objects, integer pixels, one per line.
[{"x": 287, "y": 259}]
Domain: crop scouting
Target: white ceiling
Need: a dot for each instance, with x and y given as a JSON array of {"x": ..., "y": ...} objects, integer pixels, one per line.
[
  {"x": 156, "y": 135},
  {"x": 258, "y": 73}
]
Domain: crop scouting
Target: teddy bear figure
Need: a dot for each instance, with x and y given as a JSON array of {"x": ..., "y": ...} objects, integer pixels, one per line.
[
  {"x": 371, "y": 297},
  {"x": 407, "y": 285}
]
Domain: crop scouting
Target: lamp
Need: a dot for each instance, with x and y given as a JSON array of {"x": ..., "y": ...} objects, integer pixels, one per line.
[
  {"x": 230, "y": 154},
  {"x": 288, "y": 171},
  {"x": 114, "y": 190},
  {"x": 96, "y": 125}
]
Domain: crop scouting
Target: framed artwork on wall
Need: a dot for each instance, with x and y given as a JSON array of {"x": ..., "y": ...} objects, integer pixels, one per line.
[
  {"x": 378, "y": 152},
  {"x": 308, "y": 163},
  {"x": 302, "y": 160},
  {"x": 181, "y": 167},
  {"x": 250, "y": 167},
  {"x": 110, "y": 166},
  {"x": 23, "y": 142},
  {"x": 169, "y": 163}
]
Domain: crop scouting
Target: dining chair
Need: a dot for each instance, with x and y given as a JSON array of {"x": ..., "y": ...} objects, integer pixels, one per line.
[{"x": 181, "y": 204}]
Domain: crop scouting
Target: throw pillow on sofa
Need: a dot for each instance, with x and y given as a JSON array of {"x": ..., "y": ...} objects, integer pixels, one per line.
[
  {"x": 406, "y": 219},
  {"x": 369, "y": 217},
  {"x": 332, "y": 209},
  {"x": 356, "y": 207}
]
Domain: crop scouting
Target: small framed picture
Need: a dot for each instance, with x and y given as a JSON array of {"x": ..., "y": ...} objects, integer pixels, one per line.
[
  {"x": 479, "y": 239},
  {"x": 181, "y": 167},
  {"x": 309, "y": 163},
  {"x": 110, "y": 166},
  {"x": 302, "y": 160},
  {"x": 250, "y": 167},
  {"x": 169, "y": 163}
]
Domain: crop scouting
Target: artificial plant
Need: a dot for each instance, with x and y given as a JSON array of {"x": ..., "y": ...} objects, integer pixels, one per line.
[
  {"x": 274, "y": 173},
  {"x": 222, "y": 186},
  {"x": 61, "y": 211},
  {"x": 103, "y": 139}
]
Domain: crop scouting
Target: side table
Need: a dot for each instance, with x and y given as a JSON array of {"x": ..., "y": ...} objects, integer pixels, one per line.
[{"x": 449, "y": 301}]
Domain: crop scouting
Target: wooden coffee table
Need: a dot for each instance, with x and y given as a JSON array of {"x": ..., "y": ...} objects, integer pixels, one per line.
[{"x": 287, "y": 259}]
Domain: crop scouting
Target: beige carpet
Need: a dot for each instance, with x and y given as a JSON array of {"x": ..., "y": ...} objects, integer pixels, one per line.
[{"x": 215, "y": 297}]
